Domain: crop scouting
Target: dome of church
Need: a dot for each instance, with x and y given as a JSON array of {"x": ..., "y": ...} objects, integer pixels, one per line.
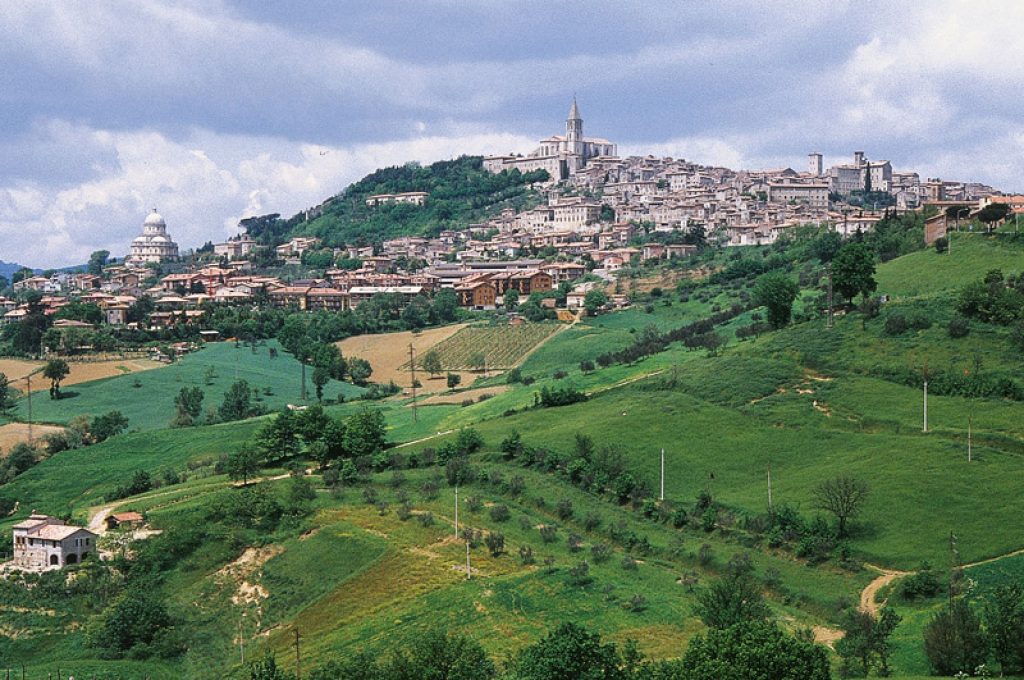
[{"x": 154, "y": 220}]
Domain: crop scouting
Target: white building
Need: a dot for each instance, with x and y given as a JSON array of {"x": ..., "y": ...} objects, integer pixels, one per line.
[
  {"x": 42, "y": 543},
  {"x": 560, "y": 155},
  {"x": 154, "y": 245}
]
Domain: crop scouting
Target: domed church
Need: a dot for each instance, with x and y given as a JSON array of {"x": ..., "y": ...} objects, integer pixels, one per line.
[{"x": 154, "y": 245}]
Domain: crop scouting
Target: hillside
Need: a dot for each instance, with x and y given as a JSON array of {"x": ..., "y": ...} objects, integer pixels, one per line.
[
  {"x": 369, "y": 563},
  {"x": 460, "y": 192}
]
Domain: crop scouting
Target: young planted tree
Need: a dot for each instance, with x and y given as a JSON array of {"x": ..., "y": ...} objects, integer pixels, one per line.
[
  {"x": 431, "y": 363},
  {"x": 243, "y": 464},
  {"x": 954, "y": 641},
  {"x": 842, "y": 496},
  {"x": 734, "y": 598},
  {"x": 1004, "y": 619},
  {"x": 594, "y": 301},
  {"x": 453, "y": 380},
  {"x": 511, "y": 300},
  {"x": 189, "y": 403}
]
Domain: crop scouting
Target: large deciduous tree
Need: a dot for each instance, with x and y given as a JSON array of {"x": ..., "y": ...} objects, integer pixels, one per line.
[
  {"x": 853, "y": 271},
  {"x": 842, "y": 496},
  {"x": 776, "y": 291},
  {"x": 55, "y": 371}
]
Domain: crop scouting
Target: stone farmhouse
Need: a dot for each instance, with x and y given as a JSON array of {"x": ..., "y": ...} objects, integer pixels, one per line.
[{"x": 44, "y": 543}]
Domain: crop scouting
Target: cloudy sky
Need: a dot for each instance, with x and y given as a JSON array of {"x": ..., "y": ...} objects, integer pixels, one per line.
[{"x": 213, "y": 110}]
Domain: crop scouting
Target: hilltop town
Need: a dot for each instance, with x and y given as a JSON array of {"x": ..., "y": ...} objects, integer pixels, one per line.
[{"x": 594, "y": 213}]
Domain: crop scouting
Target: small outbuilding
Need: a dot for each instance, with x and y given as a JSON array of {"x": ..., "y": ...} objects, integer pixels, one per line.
[{"x": 125, "y": 520}]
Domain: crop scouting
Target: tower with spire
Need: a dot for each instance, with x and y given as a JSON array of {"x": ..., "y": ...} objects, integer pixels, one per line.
[
  {"x": 561, "y": 156},
  {"x": 574, "y": 130}
]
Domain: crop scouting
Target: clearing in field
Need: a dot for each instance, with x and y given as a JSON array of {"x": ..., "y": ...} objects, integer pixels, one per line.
[
  {"x": 15, "y": 433},
  {"x": 81, "y": 371},
  {"x": 388, "y": 353},
  {"x": 503, "y": 347}
]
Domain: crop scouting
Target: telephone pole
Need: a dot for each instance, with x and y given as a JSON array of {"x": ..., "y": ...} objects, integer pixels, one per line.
[
  {"x": 969, "y": 423},
  {"x": 469, "y": 572},
  {"x": 769, "y": 487},
  {"x": 415, "y": 418},
  {"x": 456, "y": 511},
  {"x": 830, "y": 295},
  {"x": 298, "y": 657},
  {"x": 662, "y": 475},
  {"x": 925, "y": 427}
]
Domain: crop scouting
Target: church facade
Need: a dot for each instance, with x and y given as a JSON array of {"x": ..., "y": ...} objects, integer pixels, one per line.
[
  {"x": 560, "y": 155},
  {"x": 154, "y": 244}
]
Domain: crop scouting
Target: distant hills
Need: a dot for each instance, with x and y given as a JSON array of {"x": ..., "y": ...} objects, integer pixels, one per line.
[{"x": 8, "y": 268}]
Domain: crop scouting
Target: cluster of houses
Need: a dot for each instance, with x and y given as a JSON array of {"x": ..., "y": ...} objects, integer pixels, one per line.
[{"x": 601, "y": 213}]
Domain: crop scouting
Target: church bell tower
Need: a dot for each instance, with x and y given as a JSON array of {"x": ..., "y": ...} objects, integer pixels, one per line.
[{"x": 574, "y": 130}]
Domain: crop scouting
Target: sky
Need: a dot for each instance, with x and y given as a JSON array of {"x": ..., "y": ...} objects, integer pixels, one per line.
[{"x": 215, "y": 110}]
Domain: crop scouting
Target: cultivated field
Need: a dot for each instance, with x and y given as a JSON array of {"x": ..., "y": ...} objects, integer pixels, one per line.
[
  {"x": 14, "y": 433},
  {"x": 388, "y": 353},
  {"x": 81, "y": 371},
  {"x": 503, "y": 346}
]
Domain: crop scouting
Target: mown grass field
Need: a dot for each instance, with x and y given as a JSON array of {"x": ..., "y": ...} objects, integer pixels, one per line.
[{"x": 147, "y": 398}]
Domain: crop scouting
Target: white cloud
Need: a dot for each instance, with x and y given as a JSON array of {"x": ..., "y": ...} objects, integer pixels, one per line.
[{"x": 202, "y": 184}]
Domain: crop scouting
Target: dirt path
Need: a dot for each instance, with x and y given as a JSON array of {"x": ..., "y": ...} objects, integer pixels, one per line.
[
  {"x": 868, "y": 601},
  {"x": 424, "y": 439},
  {"x": 990, "y": 560}
]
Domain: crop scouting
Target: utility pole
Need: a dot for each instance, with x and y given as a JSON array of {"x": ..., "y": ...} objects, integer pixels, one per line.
[
  {"x": 456, "y": 511},
  {"x": 412, "y": 365},
  {"x": 830, "y": 295},
  {"x": 28, "y": 383},
  {"x": 303, "y": 362},
  {"x": 925, "y": 428},
  {"x": 770, "y": 510},
  {"x": 298, "y": 657},
  {"x": 241, "y": 639},
  {"x": 662, "y": 475},
  {"x": 469, "y": 572},
  {"x": 969, "y": 419}
]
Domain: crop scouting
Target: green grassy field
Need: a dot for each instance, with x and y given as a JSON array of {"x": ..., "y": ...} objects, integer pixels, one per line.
[
  {"x": 147, "y": 398},
  {"x": 814, "y": 403}
]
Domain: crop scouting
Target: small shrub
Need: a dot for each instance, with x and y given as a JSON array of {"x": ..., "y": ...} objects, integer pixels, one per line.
[
  {"x": 896, "y": 324},
  {"x": 922, "y": 584},
  {"x": 548, "y": 533},
  {"x": 559, "y": 374},
  {"x": 495, "y": 542},
  {"x": 526, "y": 555},
  {"x": 426, "y": 519},
  {"x": 705, "y": 555},
  {"x": 473, "y": 504},
  {"x": 636, "y": 604},
  {"x": 958, "y": 327},
  {"x": 500, "y": 513},
  {"x": 404, "y": 511},
  {"x": 579, "y": 575},
  {"x": 600, "y": 552},
  {"x": 591, "y": 521},
  {"x": 629, "y": 563},
  {"x": 370, "y": 495},
  {"x": 564, "y": 509},
  {"x": 574, "y": 542},
  {"x": 430, "y": 489}
]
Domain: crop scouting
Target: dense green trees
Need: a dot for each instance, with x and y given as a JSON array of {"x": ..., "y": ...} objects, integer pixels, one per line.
[
  {"x": 733, "y": 598},
  {"x": 866, "y": 641},
  {"x": 954, "y": 640},
  {"x": 996, "y": 298},
  {"x": 594, "y": 301},
  {"x": 853, "y": 271},
  {"x": 238, "y": 402},
  {"x": 6, "y": 394},
  {"x": 776, "y": 291},
  {"x": 753, "y": 650}
]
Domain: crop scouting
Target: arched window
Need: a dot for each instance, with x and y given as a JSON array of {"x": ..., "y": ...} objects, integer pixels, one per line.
[
  {"x": 54, "y": 560},
  {"x": 71, "y": 559}
]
